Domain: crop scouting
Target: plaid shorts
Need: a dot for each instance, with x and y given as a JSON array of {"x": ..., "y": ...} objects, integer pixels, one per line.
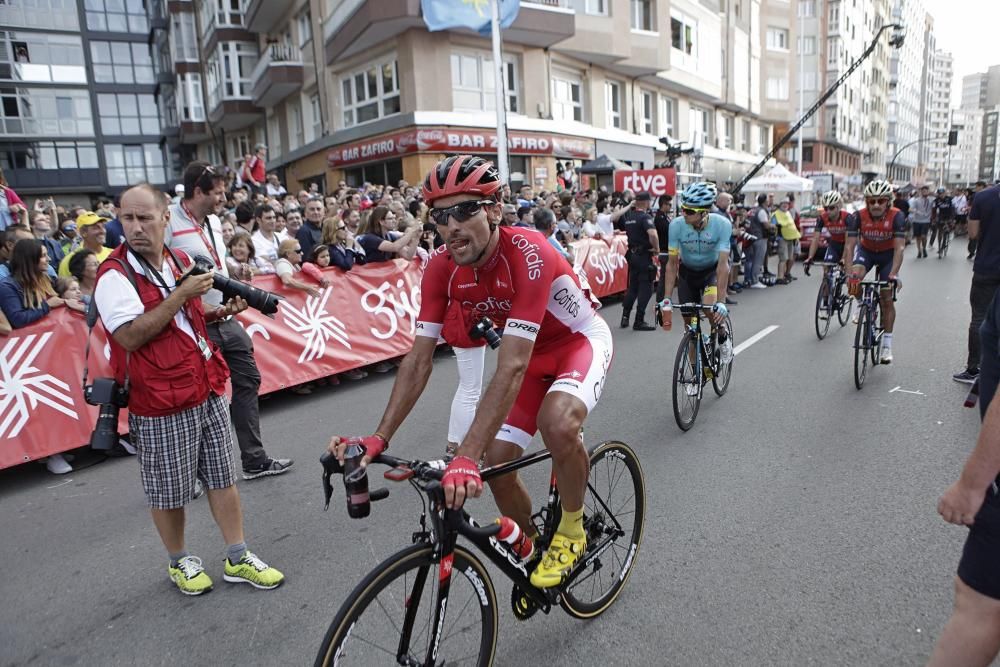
[{"x": 174, "y": 450}]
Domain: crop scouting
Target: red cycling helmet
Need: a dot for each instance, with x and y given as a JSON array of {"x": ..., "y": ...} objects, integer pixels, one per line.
[{"x": 460, "y": 174}]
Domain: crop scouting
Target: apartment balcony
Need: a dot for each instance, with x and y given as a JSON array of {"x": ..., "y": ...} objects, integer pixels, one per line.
[
  {"x": 191, "y": 132},
  {"x": 263, "y": 16},
  {"x": 278, "y": 74},
  {"x": 233, "y": 114},
  {"x": 356, "y": 26}
]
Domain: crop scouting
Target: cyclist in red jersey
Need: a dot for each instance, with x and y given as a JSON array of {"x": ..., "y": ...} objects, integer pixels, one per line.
[
  {"x": 878, "y": 234},
  {"x": 834, "y": 220},
  {"x": 551, "y": 365}
]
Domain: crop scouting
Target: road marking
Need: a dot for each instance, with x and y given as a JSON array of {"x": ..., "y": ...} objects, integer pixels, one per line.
[
  {"x": 906, "y": 391},
  {"x": 754, "y": 338}
]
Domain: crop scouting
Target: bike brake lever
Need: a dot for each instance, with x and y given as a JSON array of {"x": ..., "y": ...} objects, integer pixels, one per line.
[{"x": 331, "y": 466}]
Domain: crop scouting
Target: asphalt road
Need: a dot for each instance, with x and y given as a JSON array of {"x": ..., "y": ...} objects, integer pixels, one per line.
[{"x": 794, "y": 524}]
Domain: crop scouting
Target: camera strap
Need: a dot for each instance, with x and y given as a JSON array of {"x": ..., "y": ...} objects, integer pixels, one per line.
[{"x": 93, "y": 315}]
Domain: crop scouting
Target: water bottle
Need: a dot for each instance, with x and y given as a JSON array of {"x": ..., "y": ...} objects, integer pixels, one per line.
[
  {"x": 512, "y": 535},
  {"x": 666, "y": 314},
  {"x": 356, "y": 481}
]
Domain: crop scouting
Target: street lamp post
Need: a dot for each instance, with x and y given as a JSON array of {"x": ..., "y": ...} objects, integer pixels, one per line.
[{"x": 892, "y": 162}]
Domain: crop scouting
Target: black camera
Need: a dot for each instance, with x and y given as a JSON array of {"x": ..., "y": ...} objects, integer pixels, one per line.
[
  {"x": 111, "y": 397},
  {"x": 262, "y": 300},
  {"x": 484, "y": 329}
]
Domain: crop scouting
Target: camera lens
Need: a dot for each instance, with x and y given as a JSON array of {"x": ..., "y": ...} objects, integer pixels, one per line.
[{"x": 105, "y": 435}]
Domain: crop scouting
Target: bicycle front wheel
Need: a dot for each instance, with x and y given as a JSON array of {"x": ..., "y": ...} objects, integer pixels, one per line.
[
  {"x": 823, "y": 310},
  {"x": 844, "y": 304},
  {"x": 687, "y": 383},
  {"x": 389, "y": 617},
  {"x": 861, "y": 347},
  {"x": 723, "y": 371},
  {"x": 874, "y": 336},
  {"x": 614, "y": 508}
]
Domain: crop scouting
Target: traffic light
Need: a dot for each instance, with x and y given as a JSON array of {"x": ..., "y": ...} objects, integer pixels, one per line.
[{"x": 953, "y": 138}]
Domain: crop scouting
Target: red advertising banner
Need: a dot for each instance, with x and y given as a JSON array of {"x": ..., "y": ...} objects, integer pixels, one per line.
[
  {"x": 366, "y": 315},
  {"x": 654, "y": 181},
  {"x": 456, "y": 140}
]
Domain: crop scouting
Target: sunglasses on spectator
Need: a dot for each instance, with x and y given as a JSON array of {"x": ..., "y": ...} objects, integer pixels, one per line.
[
  {"x": 879, "y": 201},
  {"x": 461, "y": 211},
  {"x": 692, "y": 211}
]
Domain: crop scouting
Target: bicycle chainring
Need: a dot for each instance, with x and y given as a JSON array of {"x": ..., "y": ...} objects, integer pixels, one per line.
[{"x": 522, "y": 606}]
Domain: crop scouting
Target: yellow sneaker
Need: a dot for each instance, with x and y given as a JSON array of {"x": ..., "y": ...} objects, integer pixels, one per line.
[
  {"x": 252, "y": 570},
  {"x": 190, "y": 577},
  {"x": 558, "y": 560}
]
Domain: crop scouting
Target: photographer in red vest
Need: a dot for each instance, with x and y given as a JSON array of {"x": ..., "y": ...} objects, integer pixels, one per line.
[{"x": 178, "y": 411}]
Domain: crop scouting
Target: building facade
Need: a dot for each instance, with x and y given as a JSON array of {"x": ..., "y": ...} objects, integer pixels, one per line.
[
  {"x": 906, "y": 93},
  {"x": 939, "y": 118},
  {"x": 963, "y": 168},
  {"x": 78, "y": 113}
]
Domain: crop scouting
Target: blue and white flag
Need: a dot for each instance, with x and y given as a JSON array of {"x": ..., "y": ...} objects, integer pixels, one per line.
[{"x": 474, "y": 14}]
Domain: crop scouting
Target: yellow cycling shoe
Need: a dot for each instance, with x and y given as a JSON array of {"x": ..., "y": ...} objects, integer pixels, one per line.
[{"x": 558, "y": 560}]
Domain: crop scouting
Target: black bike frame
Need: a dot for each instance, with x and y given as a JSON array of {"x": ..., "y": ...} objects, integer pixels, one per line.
[{"x": 871, "y": 303}]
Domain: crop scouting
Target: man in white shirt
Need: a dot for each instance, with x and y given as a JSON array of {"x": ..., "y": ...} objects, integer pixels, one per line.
[
  {"x": 266, "y": 239},
  {"x": 195, "y": 229},
  {"x": 274, "y": 187}
]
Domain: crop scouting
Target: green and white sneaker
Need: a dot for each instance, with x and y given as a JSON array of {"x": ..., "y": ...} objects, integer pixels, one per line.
[
  {"x": 190, "y": 577},
  {"x": 252, "y": 570}
]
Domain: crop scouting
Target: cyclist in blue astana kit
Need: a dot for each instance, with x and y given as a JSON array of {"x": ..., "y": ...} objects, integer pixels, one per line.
[{"x": 698, "y": 257}]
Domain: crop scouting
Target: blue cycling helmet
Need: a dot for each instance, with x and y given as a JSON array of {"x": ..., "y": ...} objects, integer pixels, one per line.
[{"x": 699, "y": 195}]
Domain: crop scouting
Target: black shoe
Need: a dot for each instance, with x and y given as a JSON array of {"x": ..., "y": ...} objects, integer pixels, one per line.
[
  {"x": 971, "y": 255},
  {"x": 269, "y": 468},
  {"x": 625, "y": 321},
  {"x": 643, "y": 326},
  {"x": 966, "y": 377},
  {"x": 731, "y": 302}
]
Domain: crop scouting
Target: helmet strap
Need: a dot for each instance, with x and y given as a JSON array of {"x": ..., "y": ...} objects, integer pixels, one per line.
[{"x": 482, "y": 253}]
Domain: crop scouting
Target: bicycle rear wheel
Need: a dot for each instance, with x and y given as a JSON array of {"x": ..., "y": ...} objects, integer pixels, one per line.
[
  {"x": 389, "y": 617},
  {"x": 861, "y": 347},
  {"x": 723, "y": 372},
  {"x": 614, "y": 506},
  {"x": 844, "y": 304},
  {"x": 686, "y": 381},
  {"x": 823, "y": 310}
]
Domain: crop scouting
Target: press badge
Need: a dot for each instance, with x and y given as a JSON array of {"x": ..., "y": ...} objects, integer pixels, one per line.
[{"x": 206, "y": 351}]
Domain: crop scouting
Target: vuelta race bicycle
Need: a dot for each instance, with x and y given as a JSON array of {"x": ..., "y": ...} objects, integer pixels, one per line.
[
  {"x": 944, "y": 239},
  {"x": 434, "y": 603},
  {"x": 832, "y": 297},
  {"x": 698, "y": 361},
  {"x": 868, "y": 336}
]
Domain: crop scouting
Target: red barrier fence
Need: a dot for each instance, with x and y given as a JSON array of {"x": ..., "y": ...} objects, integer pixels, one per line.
[{"x": 365, "y": 316}]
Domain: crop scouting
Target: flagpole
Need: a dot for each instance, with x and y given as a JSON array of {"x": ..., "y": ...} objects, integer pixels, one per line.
[{"x": 501, "y": 106}]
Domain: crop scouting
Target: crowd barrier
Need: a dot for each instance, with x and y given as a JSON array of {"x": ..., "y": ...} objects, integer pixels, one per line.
[{"x": 365, "y": 316}]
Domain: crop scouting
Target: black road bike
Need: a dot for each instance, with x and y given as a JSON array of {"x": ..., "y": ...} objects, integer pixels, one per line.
[
  {"x": 944, "y": 239},
  {"x": 832, "y": 298},
  {"x": 434, "y": 603},
  {"x": 698, "y": 361},
  {"x": 868, "y": 336}
]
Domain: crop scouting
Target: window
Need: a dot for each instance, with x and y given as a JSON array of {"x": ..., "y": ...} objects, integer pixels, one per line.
[
  {"x": 648, "y": 104},
  {"x": 273, "y": 136},
  {"x": 125, "y": 113},
  {"x": 52, "y": 155},
  {"x": 567, "y": 97},
  {"x": 183, "y": 47},
  {"x": 38, "y": 57},
  {"x": 834, "y": 16},
  {"x": 777, "y": 39},
  {"x": 807, "y": 45},
  {"x": 642, "y": 15},
  {"x": 728, "y": 129},
  {"x": 668, "y": 111},
  {"x": 613, "y": 103},
  {"x": 45, "y": 112},
  {"x": 832, "y": 51},
  {"x": 228, "y": 71},
  {"x": 296, "y": 130},
  {"x": 43, "y": 14},
  {"x": 221, "y": 13},
  {"x": 316, "y": 115},
  {"x": 166, "y": 101},
  {"x": 745, "y": 136},
  {"x": 777, "y": 88},
  {"x": 370, "y": 93},
  {"x": 682, "y": 32},
  {"x": 304, "y": 22},
  {"x": 807, "y": 8},
  {"x": 472, "y": 82},
  {"x": 763, "y": 139},
  {"x": 808, "y": 81},
  {"x": 698, "y": 120},
  {"x": 239, "y": 146},
  {"x": 597, "y": 7},
  {"x": 121, "y": 62},
  {"x": 134, "y": 163},
  {"x": 116, "y": 16},
  {"x": 189, "y": 99}
]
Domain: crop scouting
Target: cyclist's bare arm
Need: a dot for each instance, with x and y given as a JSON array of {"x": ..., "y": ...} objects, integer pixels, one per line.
[
  {"x": 722, "y": 275},
  {"x": 813, "y": 246},
  {"x": 498, "y": 399},
  {"x": 897, "y": 255},
  {"x": 670, "y": 280},
  {"x": 410, "y": 382}
]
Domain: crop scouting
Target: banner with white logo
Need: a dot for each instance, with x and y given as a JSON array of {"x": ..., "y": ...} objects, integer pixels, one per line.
[{"x": 365, "y": 316}]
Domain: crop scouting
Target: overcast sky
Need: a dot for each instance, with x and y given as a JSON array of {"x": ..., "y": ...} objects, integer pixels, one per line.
[{"x": 970, "y": 29}]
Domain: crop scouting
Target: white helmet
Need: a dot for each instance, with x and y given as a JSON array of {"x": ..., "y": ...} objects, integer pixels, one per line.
[
  {"x": 831, "y": 198},
  {"x": 878, "y": 188}
]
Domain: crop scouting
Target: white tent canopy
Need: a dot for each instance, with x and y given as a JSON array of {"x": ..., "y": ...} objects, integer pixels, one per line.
[{"x": 778, "y": 179}]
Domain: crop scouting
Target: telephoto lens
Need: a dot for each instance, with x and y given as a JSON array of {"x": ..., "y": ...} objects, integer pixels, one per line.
[
  {"x": 105, "y": 434},
  {"x": 258, "y": 299}
]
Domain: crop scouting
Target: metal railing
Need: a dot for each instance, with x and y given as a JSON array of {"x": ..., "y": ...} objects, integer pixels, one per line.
[{"x": 276, "y": 53}]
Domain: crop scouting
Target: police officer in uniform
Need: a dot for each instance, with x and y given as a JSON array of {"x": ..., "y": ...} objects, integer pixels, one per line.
[
  {"x": 643, "y": 246},
  {"x": 662, "y": 223}
]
